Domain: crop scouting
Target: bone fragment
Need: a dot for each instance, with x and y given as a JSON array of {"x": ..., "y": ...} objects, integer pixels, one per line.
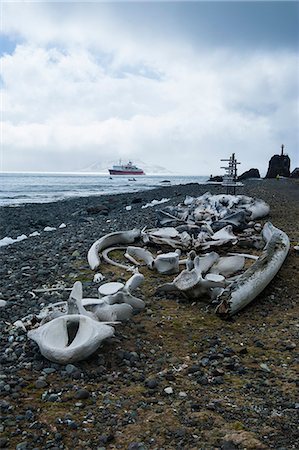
[
  {"x": 254, "y": 280},
  {"x": 228, "y": 265},
  {"x": 108, "y": 260},
  {"x": 109, "y": 288},
  {"x": 109, "y": 240}
]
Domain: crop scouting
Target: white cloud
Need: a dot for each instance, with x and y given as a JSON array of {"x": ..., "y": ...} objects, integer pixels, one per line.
[{"x": 85, "y": 88}]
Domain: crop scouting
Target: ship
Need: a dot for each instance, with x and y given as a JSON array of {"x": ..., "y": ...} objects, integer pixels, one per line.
[{"x": 126, "y": 169}]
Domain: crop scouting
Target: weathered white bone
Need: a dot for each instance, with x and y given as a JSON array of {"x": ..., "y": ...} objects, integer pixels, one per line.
[
  {"x": 98, "y": 278},
  {"x": 226, "y": 233},
  {"x": 246, "y": 255},
  {"x": 109, "y": 288},
  {"x": 166, "y": 232},
  {"x": 141, "y": 254},
  {"x": 125, "y": 297},
  {"x": 118, "y": 293},
  {"x": 188, "y": 279},
  {"x": 206, "y": 261},
  {"x": 215, "y": 278},
  {"x": 168, "y": 263},
  {"x": 191, "y": 282},
  {"x": 254, "y": 280},
  {"x": 108, "y": 260},
  {"x": 74, "y": 303},
  {"x": 134, "y": 282},
  {"x": 110, "y": 240},
  {"x": 19, "y": 324},
  {"x": 258, "y": 209},
  {"x": 70, "y": 338},
  {"x": 227, "y": 265},
  {"x": 105, "y": 311}
]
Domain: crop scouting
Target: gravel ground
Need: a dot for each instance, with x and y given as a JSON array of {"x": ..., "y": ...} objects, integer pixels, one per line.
[{"x": 174, "y": 377}]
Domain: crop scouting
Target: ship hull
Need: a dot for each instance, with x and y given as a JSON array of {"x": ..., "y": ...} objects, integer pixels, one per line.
[{"x": 125, "y": 172}]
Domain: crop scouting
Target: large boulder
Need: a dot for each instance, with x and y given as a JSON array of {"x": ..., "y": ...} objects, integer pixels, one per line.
[
  {"x": 279, "y": 165},
  {"x": 295, "y": 173},
  {"x": 217, "y": 178},
  {"x": 251, "y": 173}
]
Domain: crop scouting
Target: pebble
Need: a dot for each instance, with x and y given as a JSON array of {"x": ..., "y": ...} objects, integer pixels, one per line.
[
  {"x": 151, "y": 383},
  {"x": 70, "y": 368},
  {"x": 49, "y": 370},
  {"x": 168, "y": 390},
  {"x": 40, "y": 383},
  {"x": 182, "y": 394},
  {"x": 82, "y": 394}
]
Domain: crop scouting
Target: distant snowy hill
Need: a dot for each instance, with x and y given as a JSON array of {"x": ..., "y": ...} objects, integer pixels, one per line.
[{"x": 103, "y": 166}]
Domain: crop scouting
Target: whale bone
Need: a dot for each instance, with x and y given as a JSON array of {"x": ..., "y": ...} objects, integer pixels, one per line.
[
  {"x": 228, "y": 265},
  {"x": 109, "y": 240},
  {"x": 70, "y": 338},
  {"x": 254, "y": 280}
]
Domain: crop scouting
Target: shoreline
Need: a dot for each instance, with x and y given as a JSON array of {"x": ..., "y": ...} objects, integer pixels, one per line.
[
  {"x": 228, "y": 378},
  {"x": 65, "y": 208}
]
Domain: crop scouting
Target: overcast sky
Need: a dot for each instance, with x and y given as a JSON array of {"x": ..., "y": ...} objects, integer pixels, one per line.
[{"x": 176, "y": 84}]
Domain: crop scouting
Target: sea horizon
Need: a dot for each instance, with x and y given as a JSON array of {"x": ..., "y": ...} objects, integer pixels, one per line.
[{"x": 19, "y": 188}]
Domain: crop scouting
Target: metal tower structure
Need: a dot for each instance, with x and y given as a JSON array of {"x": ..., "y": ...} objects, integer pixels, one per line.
[{"x": 230, "y": 177}]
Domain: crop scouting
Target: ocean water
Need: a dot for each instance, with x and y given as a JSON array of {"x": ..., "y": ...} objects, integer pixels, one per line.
[{"x": 21, "y": 188}]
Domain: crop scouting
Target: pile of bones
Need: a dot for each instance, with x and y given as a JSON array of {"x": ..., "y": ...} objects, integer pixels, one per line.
[{"x": 193, "y": 231}]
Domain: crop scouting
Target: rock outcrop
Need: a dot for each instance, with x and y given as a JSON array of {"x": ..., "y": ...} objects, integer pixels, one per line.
[
  {"x": 251, "y": 173},
  {"x": 279, "y": 165},
  {"x": 217, "y": 178},
  {"x": 295, "y": 173}
]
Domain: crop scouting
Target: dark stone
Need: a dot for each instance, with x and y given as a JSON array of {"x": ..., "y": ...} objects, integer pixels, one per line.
[
  {"x": 295, "y": 173},
  {"x": 194, "y": 368},
  {"x": 228, "y": 445},
  {"x": 251, "y": 173},
  {"x": 136, "y": 200},
  {"x": 279, "y": 165},
  {"x": 4, "y": 442},
  {"x": 98, "y": 209},
  {"x": 217, "y": 178},
  {"x": 151, "y": 383},
  {"x": 82, "y": 394},
  {"x": 136, "y": 446}
]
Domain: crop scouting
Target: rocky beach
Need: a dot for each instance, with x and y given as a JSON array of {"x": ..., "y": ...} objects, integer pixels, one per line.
[{"x": 176, "y": 376}]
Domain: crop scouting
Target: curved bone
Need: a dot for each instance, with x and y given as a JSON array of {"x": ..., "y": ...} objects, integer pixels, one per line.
[
  {"x": 254, "y": 280},
  {"x": 131, "y": 259},
  {"x": 108, "y": 260},
  {"x": 142, "y": 254},
  {"x": 54, "y": 338},
  {"x": 109, "y": 240},
  {"x": 246, "y": 255}
]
